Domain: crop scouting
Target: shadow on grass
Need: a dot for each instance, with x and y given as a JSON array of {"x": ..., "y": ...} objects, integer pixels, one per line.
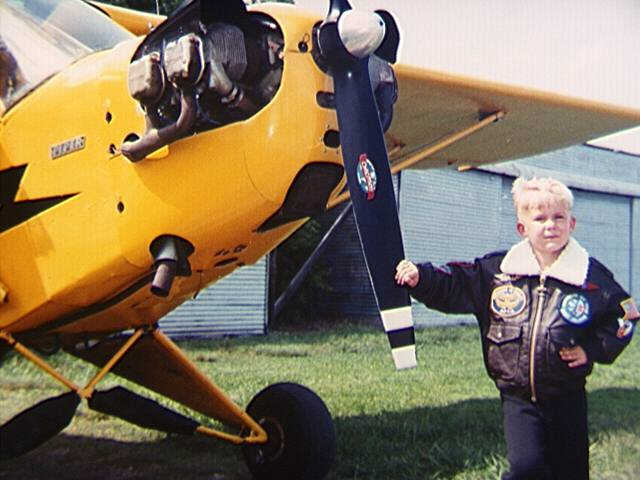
[
  {"x": 72, "y": 457},
  {"x": 430, "y": 442},
  {"x": 442, "y": 442}
]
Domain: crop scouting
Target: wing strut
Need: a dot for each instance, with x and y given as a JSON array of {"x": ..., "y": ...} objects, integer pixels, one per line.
[
  {"x": 428, "y": 151},
  {"x": 38, "y": 423}
]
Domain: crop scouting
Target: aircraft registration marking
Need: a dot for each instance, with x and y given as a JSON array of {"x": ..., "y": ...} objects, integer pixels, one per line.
[{"x": 225, "y": 251}]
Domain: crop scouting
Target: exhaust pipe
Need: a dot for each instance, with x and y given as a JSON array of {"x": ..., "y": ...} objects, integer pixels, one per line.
[
  {"x": 157, "y": 138},
  {"x": 170, "y": 260}
]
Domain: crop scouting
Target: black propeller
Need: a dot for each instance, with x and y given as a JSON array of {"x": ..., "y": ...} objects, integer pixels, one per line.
[{"x": 346, "y": 40}]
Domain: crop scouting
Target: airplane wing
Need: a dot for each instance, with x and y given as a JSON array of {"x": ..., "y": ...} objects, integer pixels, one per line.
[
  {"x": 137, "y": 22},
  {"x": 432, "y": 106},
  {"x": 534, "y": 61}
]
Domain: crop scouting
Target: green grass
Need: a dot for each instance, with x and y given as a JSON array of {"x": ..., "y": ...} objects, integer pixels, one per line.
[{"x": 439, "y": 421}]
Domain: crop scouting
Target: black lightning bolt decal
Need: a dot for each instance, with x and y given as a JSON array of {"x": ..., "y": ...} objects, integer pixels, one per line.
[{"x": 13, "y": 213}]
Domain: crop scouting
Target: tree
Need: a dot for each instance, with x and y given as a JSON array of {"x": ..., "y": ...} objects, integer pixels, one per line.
[{"x": 290, "y": 256}]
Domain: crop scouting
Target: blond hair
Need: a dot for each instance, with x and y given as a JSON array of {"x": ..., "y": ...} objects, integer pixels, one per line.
[{"x": 540, "y": 192}]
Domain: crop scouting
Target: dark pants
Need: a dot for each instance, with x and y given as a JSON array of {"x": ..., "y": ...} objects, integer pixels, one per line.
[{"x": 547, "y": 440}]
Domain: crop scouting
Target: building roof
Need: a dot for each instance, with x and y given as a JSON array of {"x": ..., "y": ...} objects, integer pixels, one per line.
[{"x": 627, "y": 141}]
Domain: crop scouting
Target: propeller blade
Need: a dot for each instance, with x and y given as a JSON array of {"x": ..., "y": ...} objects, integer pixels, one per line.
[
  {"x": 389, "y": 48},
  {"x": 370, "y": 184},
  {"x": 34, "y": 426},
  {"x": 127, "y": 405}
]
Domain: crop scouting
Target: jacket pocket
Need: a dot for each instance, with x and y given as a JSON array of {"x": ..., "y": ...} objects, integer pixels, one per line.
[
  {"x": 557, "y": 339},
  {"x": 503, "y": 350}
]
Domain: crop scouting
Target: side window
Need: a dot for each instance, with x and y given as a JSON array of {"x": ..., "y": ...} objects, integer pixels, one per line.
[
  {"x": 11, "y": 77},
  {"x": 38, "y": 38}
]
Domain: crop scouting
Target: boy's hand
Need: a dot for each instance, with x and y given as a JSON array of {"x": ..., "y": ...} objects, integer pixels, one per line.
[
  {"x": 574, "y": 356},
  {"x": 407, "y": 274}
]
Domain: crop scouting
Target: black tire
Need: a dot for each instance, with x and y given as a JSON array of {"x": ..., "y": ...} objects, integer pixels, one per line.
[{"x": 302, "y": 439}]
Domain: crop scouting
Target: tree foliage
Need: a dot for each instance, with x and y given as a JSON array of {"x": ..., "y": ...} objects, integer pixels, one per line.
[{"x": 290, "y": 256}]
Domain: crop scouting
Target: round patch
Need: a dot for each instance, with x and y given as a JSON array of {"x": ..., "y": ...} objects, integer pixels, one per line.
[
  {"x": 366, "y": 176},
  {"x": 508, "y": 300},
  {"x": 575, "y": 309}
]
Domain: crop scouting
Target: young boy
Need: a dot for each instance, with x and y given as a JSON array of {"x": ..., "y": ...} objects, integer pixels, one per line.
[{"x": 547, "y": 311}]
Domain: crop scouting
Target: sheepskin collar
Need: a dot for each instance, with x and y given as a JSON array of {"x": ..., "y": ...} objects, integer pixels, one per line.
[{"x": 570, "y": 267}]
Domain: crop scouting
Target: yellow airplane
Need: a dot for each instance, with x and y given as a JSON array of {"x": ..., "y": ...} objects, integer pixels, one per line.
[{"x": 144, "y": 158}]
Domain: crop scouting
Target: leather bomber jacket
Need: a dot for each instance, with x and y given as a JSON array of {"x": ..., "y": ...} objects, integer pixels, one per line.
[{"x": 526, "y": 317}]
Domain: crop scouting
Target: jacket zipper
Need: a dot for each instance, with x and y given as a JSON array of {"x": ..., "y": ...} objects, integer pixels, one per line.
[{"x": 534, "y": 335}]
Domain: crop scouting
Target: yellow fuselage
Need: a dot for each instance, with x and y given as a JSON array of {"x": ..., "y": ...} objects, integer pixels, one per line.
[{"x": 213, "y": 189}]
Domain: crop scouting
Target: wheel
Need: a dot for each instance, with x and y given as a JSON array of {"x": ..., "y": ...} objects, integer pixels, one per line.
[{"x": 301, "y": 441}]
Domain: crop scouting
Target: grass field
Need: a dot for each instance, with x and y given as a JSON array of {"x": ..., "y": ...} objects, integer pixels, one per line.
[{"x": 439, "y": 421}]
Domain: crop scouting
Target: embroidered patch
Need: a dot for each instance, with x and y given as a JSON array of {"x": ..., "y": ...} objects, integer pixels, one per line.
[
  {"x": 625, "y": 328},
  {"x": 508, "y": 300},
  {"x": 367, "y": 178},
  {"x": 630, "y": 309},
  {"x": 575, "y": 309},
  {"x": 503, "y": 278}
]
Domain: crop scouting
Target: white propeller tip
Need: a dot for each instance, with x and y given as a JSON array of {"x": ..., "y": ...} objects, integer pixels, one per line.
[
  {"x": 404, "y": 357},
  {"x": 398, "y": 323}
]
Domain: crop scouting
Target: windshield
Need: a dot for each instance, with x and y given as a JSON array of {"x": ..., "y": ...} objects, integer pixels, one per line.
[{"x": 38, "y": 38}]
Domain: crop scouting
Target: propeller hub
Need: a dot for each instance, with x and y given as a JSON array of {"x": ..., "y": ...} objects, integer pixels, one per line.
[{"x": 361, "y": 32}]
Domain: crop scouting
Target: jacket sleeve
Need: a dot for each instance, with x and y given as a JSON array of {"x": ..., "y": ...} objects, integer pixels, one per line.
[
  {"x": 612, "y": 330},
  {"x": 452, "y": 288}
]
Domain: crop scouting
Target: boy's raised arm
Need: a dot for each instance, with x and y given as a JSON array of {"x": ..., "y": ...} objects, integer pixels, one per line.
[{"x": 452, "y": 288}]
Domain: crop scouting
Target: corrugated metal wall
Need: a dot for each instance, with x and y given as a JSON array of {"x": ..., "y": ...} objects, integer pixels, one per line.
[
  {"x": 236, "y": 304},
  {"x": 351, "y": 293},
  {"x": 448, "y": 216}
]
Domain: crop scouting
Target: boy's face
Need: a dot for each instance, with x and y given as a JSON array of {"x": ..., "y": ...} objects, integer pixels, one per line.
[{"x": 547, "y": 227}]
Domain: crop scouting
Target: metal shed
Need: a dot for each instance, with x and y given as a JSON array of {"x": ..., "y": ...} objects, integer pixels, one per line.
[{"x": 235, "y": 305}]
